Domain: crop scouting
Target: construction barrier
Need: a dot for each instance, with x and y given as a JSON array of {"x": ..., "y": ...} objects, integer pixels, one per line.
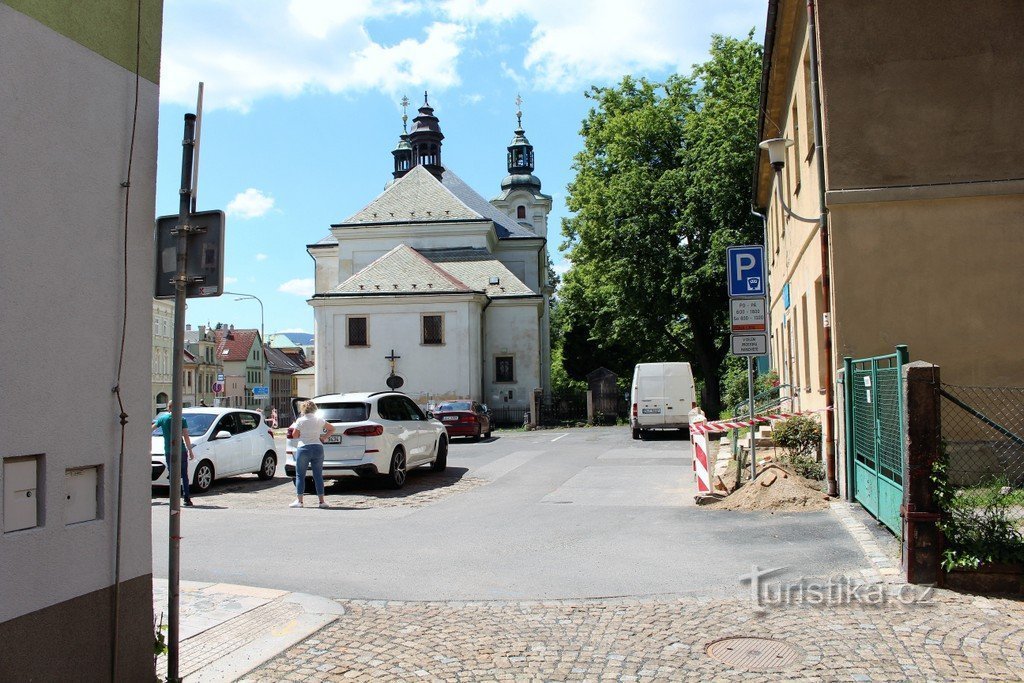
[
  {"x": 726, "y": 425},
  {"x": 700, "y": 451}
]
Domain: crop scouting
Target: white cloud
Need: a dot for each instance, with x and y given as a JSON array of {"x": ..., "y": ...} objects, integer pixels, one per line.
[
  {"x": 474, "y": 98},
  {"x": 561, "y": 268},
  {"x": 261, "y": 257},
  {"x": 250, "y": 204},
  {"x": 298, "y": 286},
  {"x": 228, "y": 280},
  {"x": 244, "y": 50}
]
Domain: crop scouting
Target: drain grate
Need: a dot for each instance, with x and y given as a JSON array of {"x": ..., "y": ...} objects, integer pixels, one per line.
[{"x": 754, "y": 654}]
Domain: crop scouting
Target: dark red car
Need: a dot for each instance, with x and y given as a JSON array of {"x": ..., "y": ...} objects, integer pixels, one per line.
[{"x": 464, "y": 418}]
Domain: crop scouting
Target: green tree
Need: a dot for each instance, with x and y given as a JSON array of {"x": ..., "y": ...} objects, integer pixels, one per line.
[{"x": 662, "y": 187}]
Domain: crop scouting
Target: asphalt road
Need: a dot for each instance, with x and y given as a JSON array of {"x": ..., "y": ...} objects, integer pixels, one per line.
[{"x": 524, "y": 515}]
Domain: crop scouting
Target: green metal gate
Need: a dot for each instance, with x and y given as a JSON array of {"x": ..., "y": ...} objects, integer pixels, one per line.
[{"x": 874, "y": 443}]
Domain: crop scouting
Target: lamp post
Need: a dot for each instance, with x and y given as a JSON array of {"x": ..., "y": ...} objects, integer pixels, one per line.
[{"x": 243, "y": 297}]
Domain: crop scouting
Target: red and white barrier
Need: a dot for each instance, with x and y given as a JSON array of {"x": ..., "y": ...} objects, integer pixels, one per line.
[
  {"x": 700, "y": 451},
  {"x": 726, "y": 425}
]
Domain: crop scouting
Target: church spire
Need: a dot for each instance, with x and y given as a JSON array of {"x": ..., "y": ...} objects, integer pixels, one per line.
[
  {"x": 425, "y": 139},
  {"x": 520, "y": 155},
  {"x": 403, "y": 150}
]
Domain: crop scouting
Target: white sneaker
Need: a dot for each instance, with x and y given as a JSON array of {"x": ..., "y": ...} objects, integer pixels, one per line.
[
  {"x": 296, "y": 504},
  {"x": 325, "y": 505}
]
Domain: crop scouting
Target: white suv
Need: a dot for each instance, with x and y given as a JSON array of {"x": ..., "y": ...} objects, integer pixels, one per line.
[{"x": 382, "y": 433}]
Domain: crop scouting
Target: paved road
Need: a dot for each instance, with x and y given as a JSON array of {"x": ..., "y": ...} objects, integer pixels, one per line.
[{"x": 581, "y": 513}]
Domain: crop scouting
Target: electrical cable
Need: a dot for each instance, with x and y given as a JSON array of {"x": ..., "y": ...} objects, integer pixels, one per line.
[{"x": 123, "y": 416}]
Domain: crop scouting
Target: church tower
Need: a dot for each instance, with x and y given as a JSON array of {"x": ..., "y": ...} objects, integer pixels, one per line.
[
  {"x": 520, "y": 196},
  {"x": 403, "y": 150},
  {"x": 425, "y": 139}
]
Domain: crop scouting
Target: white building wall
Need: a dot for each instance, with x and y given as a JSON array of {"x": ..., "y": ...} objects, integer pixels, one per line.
[
  {"x": 511, "y": 329},
  {"x": 430, "y": 372},
  {"x": 359, "y": 247},
  {"x": 67, "y": 121}
]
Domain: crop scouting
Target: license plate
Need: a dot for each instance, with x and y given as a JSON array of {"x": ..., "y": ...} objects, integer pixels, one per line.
[
  {"x": 651, "y": 411},
  {"x": 334, "y": 438},
  {"x": 450, "y": 418}
]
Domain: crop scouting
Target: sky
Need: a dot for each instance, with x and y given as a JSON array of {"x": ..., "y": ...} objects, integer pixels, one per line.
[{"x": 302, "y": 108}]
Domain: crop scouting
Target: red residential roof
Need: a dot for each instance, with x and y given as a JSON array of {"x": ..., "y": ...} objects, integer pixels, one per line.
[{"x": 236, "y": 342}]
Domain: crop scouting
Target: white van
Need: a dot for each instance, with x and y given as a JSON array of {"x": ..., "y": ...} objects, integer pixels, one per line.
[{"x": 662, "y": 396}]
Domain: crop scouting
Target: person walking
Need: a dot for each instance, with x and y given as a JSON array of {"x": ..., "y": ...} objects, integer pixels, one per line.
[
  {"x": 273, "y": 418},
  {"x": 163, "y": 421},
  {"x": 311, "y": 431}
]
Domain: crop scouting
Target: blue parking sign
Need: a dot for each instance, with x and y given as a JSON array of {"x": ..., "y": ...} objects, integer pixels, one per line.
[{"x": 745, "y": 267}]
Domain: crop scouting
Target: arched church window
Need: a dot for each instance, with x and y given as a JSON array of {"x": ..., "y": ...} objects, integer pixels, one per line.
[{"x": 520, "y": 212}]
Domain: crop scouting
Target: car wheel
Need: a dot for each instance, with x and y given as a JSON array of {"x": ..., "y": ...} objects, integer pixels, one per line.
[
  {"x": 441, "y": 461},
  {"x": 636, "y": 433},
  {"x": 476, "y": 437},
  {"x": 488, "y": 434},
  {"x": 268, "y": 467},
  {"x": 397, "y": 473},
  {"x": 202, "y": 478}
]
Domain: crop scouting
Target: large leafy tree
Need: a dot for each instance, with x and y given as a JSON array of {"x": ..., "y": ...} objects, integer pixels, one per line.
[{"x": 662, "y": 187}]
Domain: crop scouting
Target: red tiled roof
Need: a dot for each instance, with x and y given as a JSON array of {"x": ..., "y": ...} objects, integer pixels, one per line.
[{"x": 237, "y": 342}]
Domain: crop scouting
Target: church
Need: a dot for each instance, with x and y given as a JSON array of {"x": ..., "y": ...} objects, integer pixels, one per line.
[{"x": 432, "y": 289}]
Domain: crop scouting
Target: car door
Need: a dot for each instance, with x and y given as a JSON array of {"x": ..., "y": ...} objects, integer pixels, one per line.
[
  {"x": 422, "y": 432},
  {"x": 482, "y": 417},
  {"x": 250, "y": 448},
  {"x": 393, "y": 419},
  {"x": 226, "y": 449}
]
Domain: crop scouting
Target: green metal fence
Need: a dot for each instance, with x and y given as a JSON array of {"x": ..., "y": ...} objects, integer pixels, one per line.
[{"x": 874, "y": 444}]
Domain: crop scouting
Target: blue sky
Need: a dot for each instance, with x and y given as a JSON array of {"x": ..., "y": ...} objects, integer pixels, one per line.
[{"x": 301, "y": 108}]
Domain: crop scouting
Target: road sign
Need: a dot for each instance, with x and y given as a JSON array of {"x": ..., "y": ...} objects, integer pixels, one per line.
[
  {"x": 261, "y": 391},
  {"x": 218, "y": 387},
  {"x": 749, "y": 344},
  {"x": 220, "y": 376},
  {"x": 205, "y": 267},
  {"x": 748, "y": 315},
  {"x": 745, "y": 267}
]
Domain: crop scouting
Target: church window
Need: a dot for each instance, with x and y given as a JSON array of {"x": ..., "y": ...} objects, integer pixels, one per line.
[
  {"x": 433, "y": 329},
  {"x": 504, "y": 369},
  {"x": 520, "y": 212},
  {"x": 357, "y": 331}
]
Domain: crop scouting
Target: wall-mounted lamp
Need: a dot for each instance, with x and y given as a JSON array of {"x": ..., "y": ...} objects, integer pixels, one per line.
[{"x": 776, "y": 148}]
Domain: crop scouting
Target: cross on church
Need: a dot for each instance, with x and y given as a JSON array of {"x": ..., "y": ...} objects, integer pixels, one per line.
[{"x": 519, "y": 109}]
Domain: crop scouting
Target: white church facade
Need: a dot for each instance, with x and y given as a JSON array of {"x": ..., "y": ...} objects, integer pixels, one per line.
[{"x": 434, "y": 290}]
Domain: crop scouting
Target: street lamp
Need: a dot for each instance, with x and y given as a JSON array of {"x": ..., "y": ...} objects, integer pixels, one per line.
[
  {"x": 243, "y": 297},
  {"x": 776, "y": 148}
]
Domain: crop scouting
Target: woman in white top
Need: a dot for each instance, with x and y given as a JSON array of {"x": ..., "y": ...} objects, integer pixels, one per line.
[{"x": 311, "y": 431}]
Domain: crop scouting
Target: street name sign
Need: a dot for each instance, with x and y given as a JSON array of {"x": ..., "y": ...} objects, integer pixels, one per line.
[
  {"x": 749, "y": 344},
  {"x": 748, "y": 315},
  {"x": 745, "y": 268},
  {"x": 261, "y": 391}
]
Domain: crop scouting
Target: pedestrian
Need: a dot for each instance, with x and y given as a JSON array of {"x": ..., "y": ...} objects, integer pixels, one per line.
[
  {"x": 202, "y": 403},
  {"x": 310, "y": 431},
  {"x": 163, "y": 421},
  {"x": 273, "y": 418}
]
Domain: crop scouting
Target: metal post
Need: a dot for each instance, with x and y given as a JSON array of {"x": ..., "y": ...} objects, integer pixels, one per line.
[
  {"x": 180, "y": 282},
  {"x": 753, "y": 427},
  {"x": 848, "y": 422}
]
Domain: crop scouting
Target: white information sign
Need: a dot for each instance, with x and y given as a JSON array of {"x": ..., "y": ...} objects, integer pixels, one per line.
[
  {"x": 748, "y": 315},
  {"x": 750, "y": 344}
]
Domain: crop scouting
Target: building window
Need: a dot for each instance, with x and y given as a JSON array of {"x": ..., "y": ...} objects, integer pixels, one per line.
[
  {"x": 520, "y": 212},
  {"x": 796, "y": 149},
  {"x": 357, "y": 332},
  {"x": 433, "y": 329},
  {"x": 504, "y": 369}
]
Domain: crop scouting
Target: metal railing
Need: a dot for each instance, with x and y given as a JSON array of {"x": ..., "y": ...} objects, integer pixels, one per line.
[{"x": 768, "y": 401}]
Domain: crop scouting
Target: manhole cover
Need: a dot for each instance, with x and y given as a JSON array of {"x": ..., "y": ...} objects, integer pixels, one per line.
[{"x": 754, "y": 654}]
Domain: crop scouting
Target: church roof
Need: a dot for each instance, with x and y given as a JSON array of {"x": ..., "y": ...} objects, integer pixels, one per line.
[
  {"x": 404, "y": 270},
  {"x": 418, "y": 197}
]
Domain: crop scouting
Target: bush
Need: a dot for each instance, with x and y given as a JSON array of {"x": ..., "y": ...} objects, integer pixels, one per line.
[
  {"x": 806, "y": 466},
  {"x": 800, "y": 436}
]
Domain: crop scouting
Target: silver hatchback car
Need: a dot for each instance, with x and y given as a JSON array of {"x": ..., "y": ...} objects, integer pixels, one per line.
[{"x": 376, "y": 434}]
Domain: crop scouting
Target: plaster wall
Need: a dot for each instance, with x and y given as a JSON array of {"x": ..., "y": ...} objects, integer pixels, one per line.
[
  {"x": 431, "y": 372},
  {"x": 511, "y": 328},
  {"x": 943, "y": 277},
  {"x": 67, "y": 114},
  {"x": 925, "y": 95}
]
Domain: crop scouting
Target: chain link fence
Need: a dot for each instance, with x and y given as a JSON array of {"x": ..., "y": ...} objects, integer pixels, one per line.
[{"x": 983, "y": 439}]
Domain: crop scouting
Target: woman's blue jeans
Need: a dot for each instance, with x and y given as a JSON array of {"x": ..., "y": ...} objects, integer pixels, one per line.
[{"x": 309, "y": 455}]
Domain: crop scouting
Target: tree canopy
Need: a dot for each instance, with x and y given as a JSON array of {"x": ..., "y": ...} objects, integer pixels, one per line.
[{"x": 662, "y": 187}]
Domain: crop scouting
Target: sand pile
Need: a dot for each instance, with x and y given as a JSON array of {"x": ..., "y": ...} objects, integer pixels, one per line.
[{"x": 776, "y": 490}]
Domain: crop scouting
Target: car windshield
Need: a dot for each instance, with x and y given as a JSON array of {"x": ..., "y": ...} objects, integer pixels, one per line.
[
  {"x": 343, "y": 412},
  {"x": 197, "y": 423},
  {"x": 454, "y": 405}
]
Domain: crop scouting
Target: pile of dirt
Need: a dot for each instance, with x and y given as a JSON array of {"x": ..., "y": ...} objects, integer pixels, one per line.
[{"x": 776, "y": 490}]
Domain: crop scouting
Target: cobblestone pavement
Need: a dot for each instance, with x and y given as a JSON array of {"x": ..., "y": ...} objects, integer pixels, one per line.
[
  {"x": 947, "y": 637},
  {"x": 423, "y": 487}
]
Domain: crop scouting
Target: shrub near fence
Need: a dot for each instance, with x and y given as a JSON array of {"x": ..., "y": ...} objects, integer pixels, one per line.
[{"x": 980, "y": 476}]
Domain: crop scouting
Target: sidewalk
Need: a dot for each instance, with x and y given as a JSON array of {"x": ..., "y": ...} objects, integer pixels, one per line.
[{"x": 227, "y": 630}]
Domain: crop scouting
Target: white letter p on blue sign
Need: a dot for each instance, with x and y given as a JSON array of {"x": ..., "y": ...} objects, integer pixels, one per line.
[{"x": 745, "y": 266}]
